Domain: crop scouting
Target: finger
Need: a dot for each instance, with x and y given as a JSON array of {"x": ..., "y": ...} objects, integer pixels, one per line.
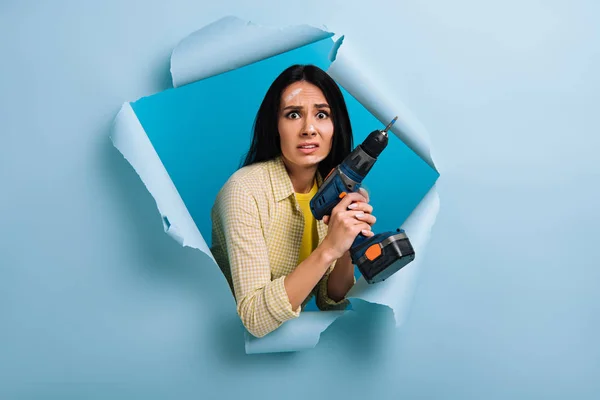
[
  {"x": 364, "y": 192},
  {"x": 368, "y": 218},
  {"x": 349, "y": 199},
  {"x": 352, "y": 214},
  {"x": 360, "y": 206},
  {"x": 326, "y": 219},
  {"x": 364, "y": 220},
  {"x": 365, "y": 229}
]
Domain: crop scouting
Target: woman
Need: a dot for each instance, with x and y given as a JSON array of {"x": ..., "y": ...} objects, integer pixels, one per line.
[{"x": 272, "y": 251}]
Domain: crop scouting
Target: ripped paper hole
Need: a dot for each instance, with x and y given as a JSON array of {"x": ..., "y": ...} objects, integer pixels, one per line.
[{"x": 184, "y": 143}]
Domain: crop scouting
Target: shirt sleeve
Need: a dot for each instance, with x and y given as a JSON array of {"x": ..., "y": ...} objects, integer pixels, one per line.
[
  {"x": 324, "y": 302},
  {"x": 262, "y": 304}
]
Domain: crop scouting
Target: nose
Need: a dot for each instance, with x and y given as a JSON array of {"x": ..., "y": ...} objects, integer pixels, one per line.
[{"x": 309, "y": 129}]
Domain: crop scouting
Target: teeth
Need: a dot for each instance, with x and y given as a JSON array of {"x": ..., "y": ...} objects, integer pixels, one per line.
[{"x": 308, "y": 147}]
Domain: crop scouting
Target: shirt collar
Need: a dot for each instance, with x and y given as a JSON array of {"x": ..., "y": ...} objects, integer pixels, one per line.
[
  {"x": 280, "y": 180},
  {"x": 283, "y": 189}
]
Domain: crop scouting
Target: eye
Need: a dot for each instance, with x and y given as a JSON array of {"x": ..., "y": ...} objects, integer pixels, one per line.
[
  {"x": 322, "y": 115},
  {"x": 293, "y": 115}
]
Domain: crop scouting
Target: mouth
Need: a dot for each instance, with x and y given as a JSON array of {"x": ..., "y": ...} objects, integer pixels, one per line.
[{"x": 308, "y": 148}]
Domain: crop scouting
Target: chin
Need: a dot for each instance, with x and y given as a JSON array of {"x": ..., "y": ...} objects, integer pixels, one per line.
[{"x": 311, "y": 160}]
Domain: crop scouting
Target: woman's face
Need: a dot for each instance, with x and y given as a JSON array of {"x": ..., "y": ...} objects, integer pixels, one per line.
[{"x": 305, "y": 125}]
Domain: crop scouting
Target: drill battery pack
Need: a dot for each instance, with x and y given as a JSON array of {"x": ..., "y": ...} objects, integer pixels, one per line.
[{"x": 382, "y": 255}]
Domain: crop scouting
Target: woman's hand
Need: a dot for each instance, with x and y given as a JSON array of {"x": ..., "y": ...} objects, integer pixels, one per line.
[
  {"x": 363, "y": 206},
  {"x": 349, "y": 218}
]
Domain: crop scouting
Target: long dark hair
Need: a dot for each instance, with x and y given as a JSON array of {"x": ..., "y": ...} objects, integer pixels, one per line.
[{"x": 265, "y": 141}]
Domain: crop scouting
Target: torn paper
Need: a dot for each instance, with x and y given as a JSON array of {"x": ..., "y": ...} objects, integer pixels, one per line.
[
  {"x": 347, "y": 72},
  {"x": 396, "y": 292},
  {"x": 231, "y": 43},
  {"x": 129, "y": 137},
  {"x": 185, "y": 142},
  {"x": 304, "y": 333}
]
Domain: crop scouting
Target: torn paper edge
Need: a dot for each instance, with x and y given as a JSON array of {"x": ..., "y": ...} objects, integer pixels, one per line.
[
  {"x": 304, "y": 334},
  {"x": 130, "y": 138},
  {"x": 239, "y": 37},
  {"x": 397, "y": 291},
  {"x": 347, "y": 71}
]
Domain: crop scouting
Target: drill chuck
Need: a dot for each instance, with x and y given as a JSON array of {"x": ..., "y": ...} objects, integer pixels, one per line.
[
  {"x": 362, "y": 159},
  {"x": 375, "y": 143}
]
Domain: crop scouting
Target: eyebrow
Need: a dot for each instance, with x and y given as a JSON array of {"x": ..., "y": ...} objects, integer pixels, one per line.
[{"x": 322, "y": 105}]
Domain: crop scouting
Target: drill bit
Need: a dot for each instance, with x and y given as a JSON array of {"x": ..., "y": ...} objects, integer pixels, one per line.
[{"x": 390, "y": 125}]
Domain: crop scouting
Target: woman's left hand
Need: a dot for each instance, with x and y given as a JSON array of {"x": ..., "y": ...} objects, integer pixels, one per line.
[{"x": 365, "y": 207}]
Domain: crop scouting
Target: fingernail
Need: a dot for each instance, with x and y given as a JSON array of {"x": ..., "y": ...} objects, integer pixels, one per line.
[
  {"x": 366, "y": 232},
  {"x": 353, "y": 206},
  {"x": 360, "y": 215}
]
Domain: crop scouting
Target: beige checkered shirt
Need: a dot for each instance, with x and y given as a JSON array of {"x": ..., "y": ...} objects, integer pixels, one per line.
[{"x": 257, "y": 232}]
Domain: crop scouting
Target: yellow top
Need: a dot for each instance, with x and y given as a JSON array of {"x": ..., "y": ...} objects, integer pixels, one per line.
[
  {"x": 310, "y": 236},
  {"x": 257, "y": 232}
]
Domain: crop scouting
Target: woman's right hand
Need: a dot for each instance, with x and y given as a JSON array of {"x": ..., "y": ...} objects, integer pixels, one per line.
[{"x": 345, "y": 225}]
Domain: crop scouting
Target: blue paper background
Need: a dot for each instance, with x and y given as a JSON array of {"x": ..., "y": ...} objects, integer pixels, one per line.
[{"x": 97, "y": 302}]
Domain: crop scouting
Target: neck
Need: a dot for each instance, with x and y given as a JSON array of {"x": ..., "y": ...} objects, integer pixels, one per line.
[{"x": 302, "y": 178}]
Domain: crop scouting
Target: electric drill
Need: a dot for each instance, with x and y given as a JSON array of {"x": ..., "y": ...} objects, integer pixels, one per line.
[{"x": 380, "y": 256}]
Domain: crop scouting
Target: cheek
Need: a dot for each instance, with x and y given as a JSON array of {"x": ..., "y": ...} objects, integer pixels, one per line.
[
  {"x": 284, "y": 133},
  {"x": 329, "y": 142},
  {"x": 328, "y": 133}
]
